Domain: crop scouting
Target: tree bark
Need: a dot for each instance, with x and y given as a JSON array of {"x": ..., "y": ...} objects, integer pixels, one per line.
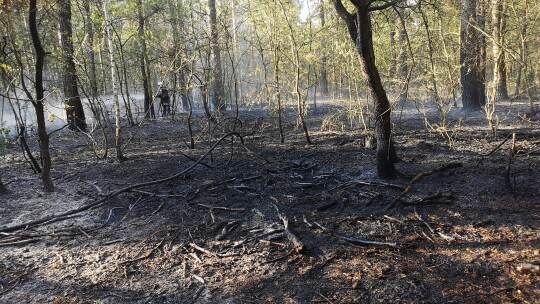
[
  {"x": 179, "y": 74},
  {"x": 118, "y": 128},
  {"x": 218, "y": 97},
  {"x": 39, "y": 101},
  {"x": 149, "y": 111},
  {"x": 403, "y": 68},
  {"x": 324, "y": 60},
  {"x": 499, "y": 66},
  {"x": 360, "y": 31},
  {"x": 472, "y": 84},
  {"x": 74, "y": 108}
]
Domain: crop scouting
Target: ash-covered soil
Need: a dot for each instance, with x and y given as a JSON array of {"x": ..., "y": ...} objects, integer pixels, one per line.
[{"x": 216, "y": 233}]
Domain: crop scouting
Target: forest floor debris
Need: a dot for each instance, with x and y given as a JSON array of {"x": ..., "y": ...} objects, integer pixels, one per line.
[{"x": 217, "y": 233}]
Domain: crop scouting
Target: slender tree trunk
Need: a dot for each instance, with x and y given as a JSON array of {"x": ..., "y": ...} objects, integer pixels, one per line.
[
  {"x": 278, "y": 94},
  {"x": 219, "y": 100},
  {"x": 149, "y": 111},
  {"x": 403, "y": 68},
  {"x": 39, "y": 102},
  {"x": 499, "y": 66},
  {"x": 74, "y": 108},
  {"x": 118, "y": 129},
  {"x": 236, "y": 56},
  {"x": 324, "y": 59},
  {"x": 95, "y": 104},
  {"x": 178, "y": 22},
  {"x": 360, "y": 30},
  {"x": 295, "y": 55}
]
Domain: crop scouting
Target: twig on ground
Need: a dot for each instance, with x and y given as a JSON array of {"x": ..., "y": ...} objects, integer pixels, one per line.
[
  {"x": 435, "y": 199},
  {"x": 147, "y": 255},
  {"x": 23, "y": 242},
  {"x": 419, "y": 177},
  {"x": 192, "y": 159},
  {"x": 366, "y": 242},
  {"x": 205, "y": 251},
  {"x": 222, "y": 208},
  {"x": 299, "y": 247},
  {"x": 442, "y": 235}
]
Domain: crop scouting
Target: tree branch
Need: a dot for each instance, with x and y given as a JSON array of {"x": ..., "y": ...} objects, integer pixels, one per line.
[
  {"x": 386, "y": 5},
  {"x": 349, "y": 18}
]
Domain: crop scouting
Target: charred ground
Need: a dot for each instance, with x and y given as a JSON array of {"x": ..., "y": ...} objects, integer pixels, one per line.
[{"x": 213, "y": 234}]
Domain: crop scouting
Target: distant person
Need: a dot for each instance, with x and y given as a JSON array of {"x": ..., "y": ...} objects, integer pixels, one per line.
[{"x": 165, "y": 104}]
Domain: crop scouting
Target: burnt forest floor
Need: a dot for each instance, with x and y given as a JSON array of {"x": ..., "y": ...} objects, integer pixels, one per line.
[{"x": 216, "y": 233}]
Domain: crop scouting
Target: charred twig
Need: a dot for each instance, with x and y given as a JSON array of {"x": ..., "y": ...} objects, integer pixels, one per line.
[
  {"x": 421, "y": 176},
  {"x": 193, "y": 159}
]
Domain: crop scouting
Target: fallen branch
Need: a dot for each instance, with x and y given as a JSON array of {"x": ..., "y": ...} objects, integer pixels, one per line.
[
  {"x": 435, "y": 199},
  {"x": 366, "y": 242},
  {"x": 54, "y": 218},
  {"x": 205, "y": 251},
  {"x": 298, "y": 245},
  {"x": 419, "y": 177},
  {"x": 508, "y": 172}
]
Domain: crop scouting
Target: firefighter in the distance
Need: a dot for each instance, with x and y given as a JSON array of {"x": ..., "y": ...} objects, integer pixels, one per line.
[{"x": 165, "y": 103}]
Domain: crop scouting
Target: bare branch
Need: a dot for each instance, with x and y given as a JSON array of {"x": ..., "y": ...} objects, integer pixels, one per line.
[{"x": 384, "y": 6}]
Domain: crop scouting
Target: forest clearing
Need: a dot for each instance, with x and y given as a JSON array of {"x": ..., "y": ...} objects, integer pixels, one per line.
[{"x": 285, "y": 151}]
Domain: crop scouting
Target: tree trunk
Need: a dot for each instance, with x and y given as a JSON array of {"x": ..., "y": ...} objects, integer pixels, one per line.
[
  {"x": 403, "y": 68},
  {"x": 149, "y": 111},
  {"x": 324, "y": 59},
  {"x": 472, "y": 85},
  {"x": 218, "y": 87},
  {"x": 499, "y": 66},
  {"x": 359, "y": 26},
  {"x": 118, "y": 129},
  {"x": 95, "y": 105},
  {"x": 74, "y": 108},
  {"x": 179, "y": 74},
  {"x": 39, "y": 101}
]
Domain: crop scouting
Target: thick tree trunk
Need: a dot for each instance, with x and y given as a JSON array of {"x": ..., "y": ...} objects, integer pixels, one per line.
[
  {"x": 472, "y": 84},
  {"x": 359, "y": 26},
  {"x": 219, "y": 101},
  {"x": 39, "y": 102},
  {"x": 499, "y": 66},
  {"x": 74, "y": 108}
]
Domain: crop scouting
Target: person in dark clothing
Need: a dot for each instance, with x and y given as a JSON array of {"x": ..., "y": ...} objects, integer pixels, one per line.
[{"x": 165, "y": 101}]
